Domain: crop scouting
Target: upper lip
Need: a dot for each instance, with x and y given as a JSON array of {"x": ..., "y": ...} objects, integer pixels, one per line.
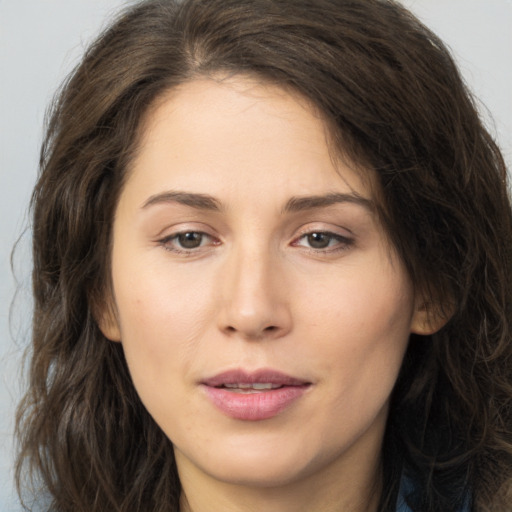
[{"x": 240, "y": 376}]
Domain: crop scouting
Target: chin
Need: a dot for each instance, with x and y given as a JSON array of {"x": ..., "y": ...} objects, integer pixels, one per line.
[
  {"x": 259, "y": 473},
  {"x": 256, "y": 463}
]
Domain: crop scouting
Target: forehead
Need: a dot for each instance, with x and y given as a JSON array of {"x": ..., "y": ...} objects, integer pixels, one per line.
[{"x": 204, "y": 130}]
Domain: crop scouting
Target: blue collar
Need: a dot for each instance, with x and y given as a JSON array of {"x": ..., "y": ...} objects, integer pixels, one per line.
[{"x": 406, "y": 486}]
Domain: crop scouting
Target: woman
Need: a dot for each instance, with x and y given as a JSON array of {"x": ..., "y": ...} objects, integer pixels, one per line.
[{"x": 272, "y": 247}]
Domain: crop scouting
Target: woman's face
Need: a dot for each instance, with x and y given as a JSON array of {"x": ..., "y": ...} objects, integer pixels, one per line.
[{"x": 263, "y": 314}]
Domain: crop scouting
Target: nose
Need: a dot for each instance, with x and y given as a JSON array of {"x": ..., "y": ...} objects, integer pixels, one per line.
[{"x": 254, "y": 304}]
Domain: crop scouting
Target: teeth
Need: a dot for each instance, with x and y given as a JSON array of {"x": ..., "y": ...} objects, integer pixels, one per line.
[
  {"x": 255, "y": 385},
  {"x": 260, "y": 385}
]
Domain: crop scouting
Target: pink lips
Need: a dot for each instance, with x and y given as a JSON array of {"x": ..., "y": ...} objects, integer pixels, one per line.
[{"x": 261, "y": 395}]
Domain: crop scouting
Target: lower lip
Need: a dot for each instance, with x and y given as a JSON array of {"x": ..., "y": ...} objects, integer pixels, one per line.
[{"x": 257, "y": 406}]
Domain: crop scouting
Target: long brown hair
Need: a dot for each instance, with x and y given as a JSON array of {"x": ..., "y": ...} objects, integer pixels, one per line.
[{"x": 395, "y": 104}]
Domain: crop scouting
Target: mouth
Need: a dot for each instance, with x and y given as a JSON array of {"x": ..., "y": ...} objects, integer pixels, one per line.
[
  {"x": 256, "y": 387},
  {"x": 254, "y": 396},
  {"x": 259, "y": 379}
]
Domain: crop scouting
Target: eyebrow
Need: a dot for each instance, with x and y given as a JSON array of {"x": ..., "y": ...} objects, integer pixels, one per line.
[
  {"x": 294, "y": 204},
  {"x": 300, "y": 203},
  {"x": 194, "y": 200}
]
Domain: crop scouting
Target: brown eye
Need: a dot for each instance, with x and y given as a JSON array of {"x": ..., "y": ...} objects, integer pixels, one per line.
[
  {"x": 190, "y": 240},
  {"x": 324, "y": 242},
  {"x": 320, "y": 240}
]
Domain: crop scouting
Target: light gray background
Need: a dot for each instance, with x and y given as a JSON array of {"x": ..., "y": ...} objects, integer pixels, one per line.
[{"x": 41, "y": 41}]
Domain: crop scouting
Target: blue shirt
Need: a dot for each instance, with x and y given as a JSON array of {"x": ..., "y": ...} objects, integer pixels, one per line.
[{"x": 405, "y": 488}]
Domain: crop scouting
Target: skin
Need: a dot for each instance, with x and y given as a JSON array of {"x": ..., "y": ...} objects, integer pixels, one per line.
[{"x": 253, "y": 293}]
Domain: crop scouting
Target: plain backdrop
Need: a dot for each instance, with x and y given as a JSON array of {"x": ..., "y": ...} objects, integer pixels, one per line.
[{"x": 42, "y": 40}]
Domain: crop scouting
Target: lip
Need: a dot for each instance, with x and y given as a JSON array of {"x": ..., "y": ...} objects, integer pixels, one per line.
[{"x": 255, "y": 406}]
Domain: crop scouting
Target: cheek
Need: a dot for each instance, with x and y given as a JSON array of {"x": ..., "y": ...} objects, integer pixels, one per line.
[
  {"x": 161, "y": 305},
  {"x": 360, "y": 327},
  {"x": 162, "y": 329}
]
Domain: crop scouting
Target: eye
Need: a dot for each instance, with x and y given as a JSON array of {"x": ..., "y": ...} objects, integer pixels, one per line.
[
  {"x": 321, "y": 240},
  {"x": 186, "y": 241},
  {"x": 190, "y": 239}
]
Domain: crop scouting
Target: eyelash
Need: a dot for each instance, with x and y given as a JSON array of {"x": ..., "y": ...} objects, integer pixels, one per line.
[
  {"x": 342, "y": 242},
  {"x": 170, "y": 242}
]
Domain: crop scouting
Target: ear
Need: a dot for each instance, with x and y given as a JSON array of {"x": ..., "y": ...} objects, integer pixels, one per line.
[
  {"x": 429, "y": 317},
  {"x": 109, "y": 326},
  {"x": 105, "y": 315}
]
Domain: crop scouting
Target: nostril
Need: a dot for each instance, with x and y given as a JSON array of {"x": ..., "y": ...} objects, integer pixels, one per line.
[{"x": 257, "y": 333}]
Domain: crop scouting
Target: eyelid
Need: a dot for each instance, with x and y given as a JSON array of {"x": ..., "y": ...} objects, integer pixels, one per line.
[
  {"x": 183, "y": 227},
  {"x": 323, "y": 227}
]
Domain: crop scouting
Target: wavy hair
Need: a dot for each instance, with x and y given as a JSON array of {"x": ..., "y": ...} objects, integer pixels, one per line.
[{"x": 394, "y": 103}]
